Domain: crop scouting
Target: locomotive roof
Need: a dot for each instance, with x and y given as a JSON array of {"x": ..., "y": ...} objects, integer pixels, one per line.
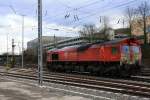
[
  {"x": 86, "y": 46},
  {"x": 114, "y": 41}
]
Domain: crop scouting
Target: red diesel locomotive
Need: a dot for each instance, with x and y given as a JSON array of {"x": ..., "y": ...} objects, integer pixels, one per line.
[{"x": 116, "y": 57}]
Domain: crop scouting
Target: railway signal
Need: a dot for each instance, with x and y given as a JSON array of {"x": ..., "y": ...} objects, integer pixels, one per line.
[{"x": 13, "y": 48}]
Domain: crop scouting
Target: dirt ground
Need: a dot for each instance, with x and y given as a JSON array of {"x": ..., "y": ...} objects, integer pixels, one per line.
[{"x": 10, "y": 90}]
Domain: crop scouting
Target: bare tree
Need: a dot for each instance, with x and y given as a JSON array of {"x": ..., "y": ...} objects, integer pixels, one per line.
[
  {"x": 144, "y": 12},
  {"x": 104, "y": 22},
  {"x": 130, "y": 14},
  {"x": 95, "y": 34},
  {"x": 88, "y": 32},
  {"x": 105, "y": 31}
]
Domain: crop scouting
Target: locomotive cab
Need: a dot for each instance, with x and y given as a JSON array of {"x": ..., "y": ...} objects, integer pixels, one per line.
[
  {"x": 130, "y": 55},
  {"x": 131, "y": 58}
]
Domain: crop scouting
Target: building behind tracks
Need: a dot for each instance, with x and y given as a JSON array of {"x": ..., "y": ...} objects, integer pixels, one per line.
[
  {"x": 33, "y": 44},
  {"x": 137, "y": 28},
  {"x": 66, "y": 42}
]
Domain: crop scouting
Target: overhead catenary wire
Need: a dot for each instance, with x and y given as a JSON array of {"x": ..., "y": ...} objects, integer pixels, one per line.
[
  {"x": 90, "y": 4},
  {"x": 104, "y": 11},
  {"x": 81, "y": 18},
  {"x": 17, "y": 12},
  {"x": 95, "y": 13},
  {"x": 120, "y": 5},
  {"x": 77, "y": 8}
]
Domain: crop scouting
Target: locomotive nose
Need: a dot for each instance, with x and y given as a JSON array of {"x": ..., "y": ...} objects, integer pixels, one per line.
[{"x": 130, "y": 54}]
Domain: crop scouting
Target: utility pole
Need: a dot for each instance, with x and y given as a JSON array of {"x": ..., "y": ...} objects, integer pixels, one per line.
[
  {"x": 22, "y": 41},
  {"x": 40, "y": 46}
]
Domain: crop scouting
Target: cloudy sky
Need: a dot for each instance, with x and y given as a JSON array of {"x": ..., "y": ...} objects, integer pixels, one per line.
[{"x": 67, "y": 16}]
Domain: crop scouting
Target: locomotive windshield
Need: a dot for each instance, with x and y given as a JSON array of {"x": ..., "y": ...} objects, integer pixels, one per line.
[
  {"x": 135, "y": 53},
  {"x": 125, "y": 49},
  {"x": 125, "y": 55}
]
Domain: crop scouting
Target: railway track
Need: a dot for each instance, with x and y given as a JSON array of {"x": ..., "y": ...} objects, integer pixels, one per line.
[
  {"x": 107, "y": 84},
  {"x": 139, "y": 80}
]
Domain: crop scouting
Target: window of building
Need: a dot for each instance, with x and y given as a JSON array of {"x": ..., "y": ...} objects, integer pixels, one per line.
[{"x": 148, "y": 29}]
